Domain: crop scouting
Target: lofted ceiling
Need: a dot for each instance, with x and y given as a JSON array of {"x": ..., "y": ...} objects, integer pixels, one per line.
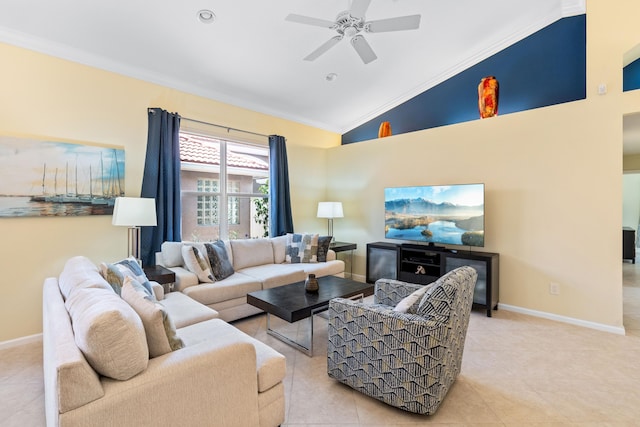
[{"x": 251, "y": 57}]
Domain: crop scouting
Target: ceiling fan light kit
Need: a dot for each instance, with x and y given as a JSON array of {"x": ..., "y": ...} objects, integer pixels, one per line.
[{"x": 351, "y": 23}]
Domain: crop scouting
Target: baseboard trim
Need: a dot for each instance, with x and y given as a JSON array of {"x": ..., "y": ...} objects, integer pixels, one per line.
[
  {"x": 20, "y": 341},
  {"x": 564, "y": 319}
]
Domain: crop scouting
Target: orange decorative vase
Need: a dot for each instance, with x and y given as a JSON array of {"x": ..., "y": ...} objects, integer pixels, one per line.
[
  {"x": 385, "y": 130},
  {"x": 488, "y": 91}
]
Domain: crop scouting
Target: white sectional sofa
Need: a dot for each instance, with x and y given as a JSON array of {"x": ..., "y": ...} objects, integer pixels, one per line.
[
  {"x": 98, "y": 370},
  {"x": 258, "y": 264}
]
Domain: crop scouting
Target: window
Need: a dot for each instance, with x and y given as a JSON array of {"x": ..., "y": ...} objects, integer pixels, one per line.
[
  {"x": 224, "y": 188},
  {"x": 207, "y": 206}
]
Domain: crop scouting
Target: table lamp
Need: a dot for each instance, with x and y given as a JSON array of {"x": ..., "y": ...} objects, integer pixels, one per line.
[
  {"x": 330, "y": 210},
  {"x": 134, "y": 212}
]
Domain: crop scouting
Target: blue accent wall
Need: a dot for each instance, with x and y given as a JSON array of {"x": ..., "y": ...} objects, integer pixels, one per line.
[
  {"x": 546, "y": 68},
  {"x": 631, "y": 76}
]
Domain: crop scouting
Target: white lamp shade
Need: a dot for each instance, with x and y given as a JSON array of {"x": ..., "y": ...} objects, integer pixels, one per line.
[
  {"x": 134, "y": 212},
  {"x": 330, "y": 210}
]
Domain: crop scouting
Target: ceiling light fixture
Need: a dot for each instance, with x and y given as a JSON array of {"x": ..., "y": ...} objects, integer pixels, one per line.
[
  {"x": 331, "y": 77},
  {"x": 206, "y": 16}
]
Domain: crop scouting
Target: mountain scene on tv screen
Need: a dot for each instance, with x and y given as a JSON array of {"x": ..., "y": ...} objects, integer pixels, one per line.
[{"x": 436, "y": 220}]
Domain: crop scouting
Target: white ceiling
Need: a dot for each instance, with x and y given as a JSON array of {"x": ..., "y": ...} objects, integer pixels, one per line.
[{"x": 251, "y": 57}]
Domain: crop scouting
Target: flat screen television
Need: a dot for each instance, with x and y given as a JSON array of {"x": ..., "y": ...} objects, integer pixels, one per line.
[{"x": 444, "y": 214}]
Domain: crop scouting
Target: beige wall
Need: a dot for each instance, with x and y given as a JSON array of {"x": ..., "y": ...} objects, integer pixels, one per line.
[
  {"x": 55, "y": 99},
  {"x": 553, "y": 183},
  {"x": 553, "y": 175}
]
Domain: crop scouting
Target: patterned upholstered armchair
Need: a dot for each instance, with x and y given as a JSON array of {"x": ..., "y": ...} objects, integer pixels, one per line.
[{"x": 405, "y": 359}]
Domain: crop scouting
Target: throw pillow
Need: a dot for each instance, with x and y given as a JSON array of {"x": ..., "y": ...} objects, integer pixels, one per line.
[
  {"x": 220, "y": 265},
  {"x": 301, "y": 248},
  {"x": 410, "y": 303},
  {"x": 196, "y": 263},
  {"x": 108, "y": 332},
  {"x": 323, "y": 247},
  {"x": 116, "y": 272},
  {"x": 158, "y": 326}
]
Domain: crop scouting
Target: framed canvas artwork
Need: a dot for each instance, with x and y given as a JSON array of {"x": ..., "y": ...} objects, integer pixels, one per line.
[{"x": 50, "y": 178}]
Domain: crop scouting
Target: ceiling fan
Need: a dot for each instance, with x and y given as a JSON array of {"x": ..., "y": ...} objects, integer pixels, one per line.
[{"x": 351, "y": 23}]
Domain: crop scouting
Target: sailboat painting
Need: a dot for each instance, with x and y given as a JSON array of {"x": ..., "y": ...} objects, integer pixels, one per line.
[{"x": 48, "y": 178}]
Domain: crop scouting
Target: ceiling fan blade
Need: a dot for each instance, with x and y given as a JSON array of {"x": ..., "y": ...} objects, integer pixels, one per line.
[
  {"x": 361, "y": 46},
  {"x": 323, "y": 48},
  {"x": 359, "y": 8},
  {"x": 410, "y": 22},
  {"x": 301, "y": 19}
]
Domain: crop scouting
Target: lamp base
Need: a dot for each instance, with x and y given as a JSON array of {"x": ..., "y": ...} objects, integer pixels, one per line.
[
  {"x": 330, "y": 228},
  {"x": 134, "y": 244}
]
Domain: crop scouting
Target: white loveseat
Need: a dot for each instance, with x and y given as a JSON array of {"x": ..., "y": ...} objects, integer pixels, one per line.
[
  {"x": 258, "y": 264},
  {"x": 97, "y": 369}
]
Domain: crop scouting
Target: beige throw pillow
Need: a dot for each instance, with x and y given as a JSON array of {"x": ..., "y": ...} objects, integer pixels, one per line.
[
  {"x": 158, "y": 327},
  {"x": 108, "y": 332},
  {"x": 197, "y": 263}
]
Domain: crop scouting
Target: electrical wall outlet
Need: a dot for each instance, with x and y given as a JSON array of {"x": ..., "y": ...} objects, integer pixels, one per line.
[{"x": 554, "y": 288}]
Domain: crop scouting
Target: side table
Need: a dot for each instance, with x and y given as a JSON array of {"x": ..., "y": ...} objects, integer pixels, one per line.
[
  {"x": 343, "y": 247},
  {"x": 162, "y": 275}
]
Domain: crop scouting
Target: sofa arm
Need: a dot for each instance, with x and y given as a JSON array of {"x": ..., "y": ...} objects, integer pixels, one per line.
[
  {"x": 390, "y": 292},
  {"x": 158, "y": 290},
  {"x": 184, "y": 278},
  {"x": 195, "y": 385}
]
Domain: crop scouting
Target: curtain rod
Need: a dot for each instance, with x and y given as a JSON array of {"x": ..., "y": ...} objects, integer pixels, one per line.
[{"x": 224, "y": 127}]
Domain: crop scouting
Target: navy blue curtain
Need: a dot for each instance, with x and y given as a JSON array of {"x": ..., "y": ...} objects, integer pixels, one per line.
[
  {"x": 161, "y": 181},
  {"x": 279, "y": 200}
]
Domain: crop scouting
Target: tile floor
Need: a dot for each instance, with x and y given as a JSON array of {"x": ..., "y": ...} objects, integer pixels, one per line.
[{"x": 517, "y": 371}]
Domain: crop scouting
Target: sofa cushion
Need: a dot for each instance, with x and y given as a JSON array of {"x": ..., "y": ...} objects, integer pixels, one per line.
[
  {"x": 320, "y": 269},
  {"x": 158, "y": 326},
  {"x": 80, "y": 272},
  {"x": 251, "y": 252},
  {"x": 108, "y": 332},
  {"x": 197, "y": 262},
  {"x": 301, "y": 248},
  {"x": 172, "y": 254},
  {"x": 272, "y": 275},
  {"x": 185, "y": 311},
  {"x": 279, "y": 249},
  {"x": 271, "y": 365},
  {"x": 219, "y": 260},
  {"x": 237, "y": 285}
]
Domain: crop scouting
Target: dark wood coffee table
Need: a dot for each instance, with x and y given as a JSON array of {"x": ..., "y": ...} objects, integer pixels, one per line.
[{"x": 292, "y": 303}]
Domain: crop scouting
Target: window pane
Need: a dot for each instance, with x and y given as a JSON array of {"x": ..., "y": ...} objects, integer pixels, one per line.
[
  {"x": 247, "y": 225},
  {"x": 204, "y": 189}
]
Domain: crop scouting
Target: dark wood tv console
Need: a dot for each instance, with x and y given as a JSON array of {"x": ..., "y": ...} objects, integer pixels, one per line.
[{"x": 418, "y": 263}]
